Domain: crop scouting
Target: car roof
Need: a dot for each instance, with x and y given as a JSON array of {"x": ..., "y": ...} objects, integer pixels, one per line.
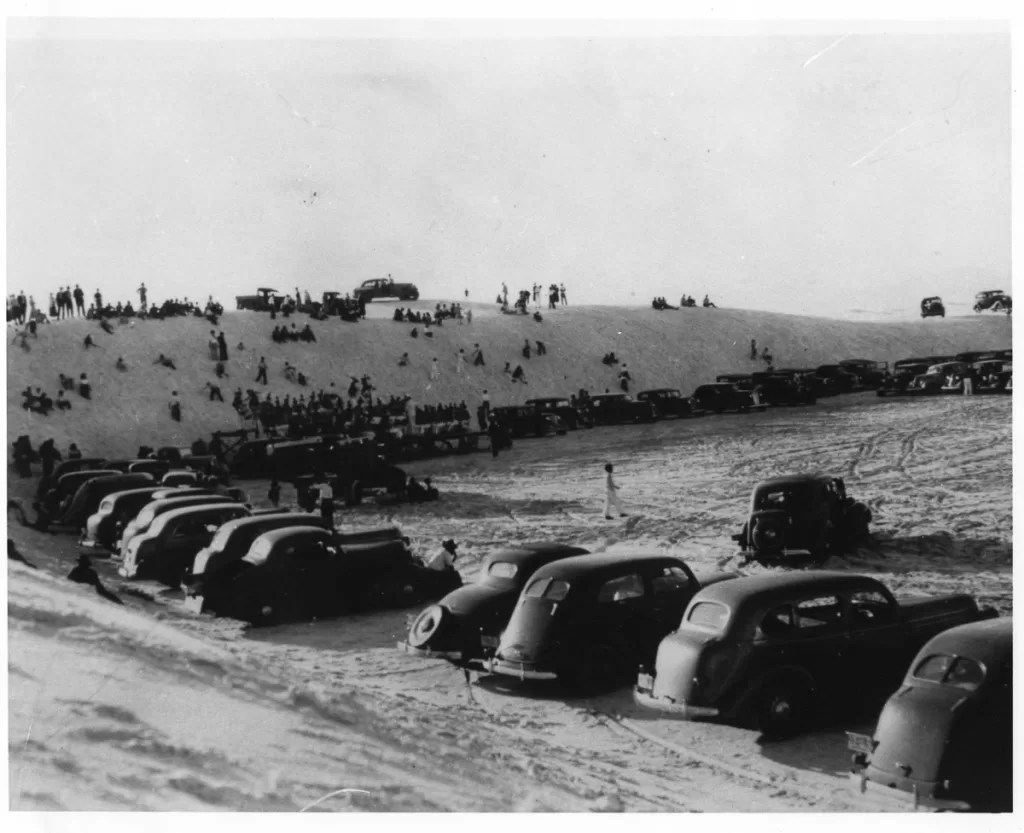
[
  {"x": 202, "y": 509},
  {"x": 661, "y": 390},
  {"x": 594, "y": 565},
  {"x": 548, "y": 399},
  {"x": 988, "y": 641},
  {"x": 270, "y": 517},
  {"x": 276, "y": 535},
  {"x": 126, "y": 493},
  {"x": 776, "y": 588},
  {"x": 794, "y": 480},
  {"x": 527, "y": 554}
]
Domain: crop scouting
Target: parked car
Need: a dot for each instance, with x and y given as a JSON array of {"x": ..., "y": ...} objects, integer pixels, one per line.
[
  {"x": 808, "y": 377},
  {"x": 775, "y": 650},
  {"x": 105, "y": 525},
  {"x": 385, "y": 288},
  {"x": 802, "y": 513},
  {"x": 869, "y": 373},
  {"x": 775, "y": 389},
  {"x": 944, "y": 740},
  {"x": 180, "y": 477},
  {"x": 167, "y": 549},
  {"x": 843, "y": 379},
  {"x": 931, "y": 307},
  {"x": 233, "y": 539},
  {"x": 940, "y": 378},
  {"x": 717, "y": 398},
  {"x": 248, "y": 460},
  {"x": 993, "y": 299},
  {"x": 302, "y": 572},
  {"x": 467, "y": 623},
  {"x": 46, "y": 484},
  {"x": 669, "y": 402},
  {"x": 58, "y": 498},
  {"x": 87, "y": 498},
  {"x": 590, "y": 619},
  {"x": 743, "y": 381},
  {"x": 612, "y": 408},
  {"x": 903, "y": 373},
  {"x": 526, "y": 421},
  {"x": 155, "y": 508},
  {"x": 264, "y": 300},
  {"x": 157, "y": 468},
  {"x": 993, "y": 376},
  {"x": 571, "y": 415}
]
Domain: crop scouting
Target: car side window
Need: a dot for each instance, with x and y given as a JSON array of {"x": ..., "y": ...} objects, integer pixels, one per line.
[
  {"x": 621, "y": 589},
  {"x": 819, "y": 612},
  {"x": 870, "y": 607},
  {"x": 671, "y": 582},
  {"x": 777, "y": 622}
]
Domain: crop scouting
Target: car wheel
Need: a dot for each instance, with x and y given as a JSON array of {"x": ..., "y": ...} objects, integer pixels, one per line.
[{"x": 783, "y": 707}]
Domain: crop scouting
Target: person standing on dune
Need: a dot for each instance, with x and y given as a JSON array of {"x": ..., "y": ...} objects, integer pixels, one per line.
[{"x": 611, "y": 496}]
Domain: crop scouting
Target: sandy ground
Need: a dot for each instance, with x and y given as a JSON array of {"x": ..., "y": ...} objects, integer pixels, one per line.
[{"x": 333, "y": 704}]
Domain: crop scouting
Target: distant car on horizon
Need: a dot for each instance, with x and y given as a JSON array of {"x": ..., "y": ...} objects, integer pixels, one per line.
[
  {"x": 933, "y": 307},
  {"x": 264, "y": 300},
  {"x": 993, "y": 299},
  {"x": 385, "y": 288}
]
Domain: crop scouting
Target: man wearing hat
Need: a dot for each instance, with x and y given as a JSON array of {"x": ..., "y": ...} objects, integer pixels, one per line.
[{"x": 445, "y": 559}]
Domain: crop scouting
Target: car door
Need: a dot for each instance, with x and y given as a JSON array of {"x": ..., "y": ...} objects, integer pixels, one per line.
[
  {"x": 671, "y": 588},
  {"x": 876, "y": 654},
  {"x": 621, "y": 612}
]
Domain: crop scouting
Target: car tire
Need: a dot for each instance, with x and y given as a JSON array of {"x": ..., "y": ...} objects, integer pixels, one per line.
[
  {"x": 433, "y": 623},
  {"x": 783, "y": 707}
]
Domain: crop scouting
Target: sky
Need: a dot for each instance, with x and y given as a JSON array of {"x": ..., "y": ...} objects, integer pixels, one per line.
[{"x": 846, "y": 172}]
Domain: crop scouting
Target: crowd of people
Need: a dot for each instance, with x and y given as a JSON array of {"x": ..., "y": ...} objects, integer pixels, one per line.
[
  {"x": 659, "y": 302},
  {"x": 282, "y": 334},
  {"x": 441, "y": 312}
]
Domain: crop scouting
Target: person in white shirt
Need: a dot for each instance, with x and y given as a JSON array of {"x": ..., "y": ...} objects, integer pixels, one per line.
[
  {"x": 445, "y": 559},
  {"x": 460, "y": 361},
  {"x": 327, "y": 502},
  {"x": 611, "y": 496},
  {"x": 435, "y": 371}
]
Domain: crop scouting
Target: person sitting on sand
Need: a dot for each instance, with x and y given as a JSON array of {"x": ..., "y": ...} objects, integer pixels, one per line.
[
  {"x": 12, "y": 551},
  {"x": 62, "y": 403},
  {"x": 518, "y": 375},
  {"x": 87, "y": 342},
  {"x": 119, "y": 364},
  {"x": 166, "y": 362},
  {"x": 404, "y": 361},
  {"x": 83, "y": 573},
  {"x": 84, "y": 388},
  {"x": 445, "y": 558}
]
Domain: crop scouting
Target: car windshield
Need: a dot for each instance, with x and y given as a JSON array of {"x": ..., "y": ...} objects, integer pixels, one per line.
[
  {"x": 950, "y": 670},
  {"x": 709, "y": 616},
  {"x": 787, "y": 497}
]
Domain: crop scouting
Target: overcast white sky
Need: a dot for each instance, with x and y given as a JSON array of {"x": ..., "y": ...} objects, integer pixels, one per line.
[{"x": 783, "y": 172}]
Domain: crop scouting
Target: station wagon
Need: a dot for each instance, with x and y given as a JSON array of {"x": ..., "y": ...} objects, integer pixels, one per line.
[{"x": 774, "y": 650}]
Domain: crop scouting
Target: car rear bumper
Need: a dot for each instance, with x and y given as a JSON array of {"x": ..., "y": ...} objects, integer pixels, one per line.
[
  {"x": 645, "y": 698},
  {"x": 905, "y": 800},
  {"x": 523, "y": 671},
  {"x": 454, "y": 656}
]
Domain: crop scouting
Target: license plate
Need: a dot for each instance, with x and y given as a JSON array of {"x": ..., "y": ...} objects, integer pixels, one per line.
[
  {"x": 860, "y": 743},
  {"x": 194, "y": 604},
  {"x": 645, "y": 682},
  {"x": 489, "y": 641}
]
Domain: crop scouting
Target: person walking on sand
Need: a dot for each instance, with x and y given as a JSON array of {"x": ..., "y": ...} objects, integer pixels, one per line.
[
  {"x": 435, "y": 371},
  {"x": 753, "y": 348},
  {"x": 460, "y": 361},
  {"x": 261, "y": 375},
  {"x": 222, "y": 346},
  {"x": 274, "y": 495},
  {"x": 611, "y": 497}
]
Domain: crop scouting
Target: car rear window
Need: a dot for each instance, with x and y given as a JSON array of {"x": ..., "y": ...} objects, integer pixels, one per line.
[
  {"x": 957, "y": 671},
  {"x": 708, "y": 615},
  {"x": 548, "y": 589},
  {"x": 672, "y": 581},
  {"x": 502, "y": 569},
  {"x": 819, "y": 612}
]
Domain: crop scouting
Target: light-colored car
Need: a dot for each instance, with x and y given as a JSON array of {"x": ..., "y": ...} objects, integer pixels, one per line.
[{"x": 156, "y": 508}]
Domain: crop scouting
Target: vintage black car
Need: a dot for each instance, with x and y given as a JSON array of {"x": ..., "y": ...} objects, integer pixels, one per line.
[
  {"x": 994, "y": 376},
  {"x": 467, "y": 623},
  {"x": 993, "y": 299},
  {"x": 105, "y": 525},
  {"x": 385, "y": 288},
  {"x": 307, "y": 572},
  {"x": 743, "y": 381},
  {"x": 264, "y": 300},
  {"x": 720, "y": 397},
  {"x": 62, "y": 491},
  {"x": 669, "y": 402},
  {"x": 802, "y": 514},
  {"x": 903, "y": 373},
  {"x": 521, "y": 421},
  {"x": 933, "y": 307},
  {"x": 573, "y": 417},
  {"x": 612, "y": 408},
  {"x": 88, "y": 496},
  {"x": 842, "y": 378},
  {"x": 947, "y": 377},
  {"x": 776, "y": 389},
  {"x": 944, "y": 740},
  {"x": 590, "y": 619},
  {"x": 775, "y": 650},
  {"x": 870, "y": 373},
  {"x": 807, "y": 376}
]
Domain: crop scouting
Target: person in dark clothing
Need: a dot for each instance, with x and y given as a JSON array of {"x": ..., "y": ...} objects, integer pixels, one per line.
[
  {"x": 88, "y": 342},
  {"x": 79, "y": 300},
  {"x": 518, "y": 375},
  {"x": 753, "y": 348},
  {"x": 261, "y": 375},
  {"x": 83, "y": 573},
  {"x": 49, "y": 455},
  {"x": 99, "y": 301},
  {"x": 541, "y": 349},
  {"x": 119, "y": 364},
  {"x": 62, "y": 403},
  {"x": 274, "y": 495},
  {"x": 526, "y": 349},
  {"x": 222, "y": 346},
  {"x": 215, "y": 394},
  {"x": 174, "y": 406},
  {"x": 220, "y": 371},
  {"x": 414, "y": 492},
  {"x": 106, "y": 327},
  {"x": 74, "y": 453},
  {"x": 166, "y": 362},
  {"x": 495, "y": 433},
  {"x": 84, "y": 388}
]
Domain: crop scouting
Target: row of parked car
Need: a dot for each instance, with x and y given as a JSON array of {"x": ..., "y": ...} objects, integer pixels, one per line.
[
  {"x": 930, "y": 375},
  {"x": 779, "y": 652}
]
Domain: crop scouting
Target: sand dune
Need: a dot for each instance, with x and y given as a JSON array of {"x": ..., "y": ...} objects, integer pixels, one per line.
[{"x": 672, "y": 348}]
